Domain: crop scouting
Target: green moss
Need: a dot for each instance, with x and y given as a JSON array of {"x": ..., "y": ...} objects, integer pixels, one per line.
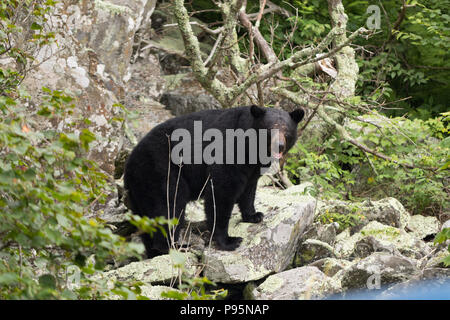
[
  {"x": 272, "y": 284},
  {"x": 344, "y": 220},
  {"x": 390, "y": 232}
]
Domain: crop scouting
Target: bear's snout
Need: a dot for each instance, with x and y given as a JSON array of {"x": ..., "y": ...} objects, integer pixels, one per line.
[{"x": 278, "y": 145}]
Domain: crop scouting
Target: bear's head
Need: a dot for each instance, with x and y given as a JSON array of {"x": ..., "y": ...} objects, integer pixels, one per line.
[{"x": 283, "y": 138}]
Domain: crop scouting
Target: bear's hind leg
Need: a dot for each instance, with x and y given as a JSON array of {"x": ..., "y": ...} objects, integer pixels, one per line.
[{"x": 218, "y": 211}]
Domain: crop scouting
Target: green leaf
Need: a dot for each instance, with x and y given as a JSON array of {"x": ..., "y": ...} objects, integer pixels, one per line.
[
  {"x": 173, "y": 294},
  {"x": 35, "y": 26},
  {"x": 86, "y": 137},
  {"x": 178, "y": 258},
  {"x": 446, "y": 261},
  {"x": 8, "y": 278},
  {"x": 47, "y": 281}
]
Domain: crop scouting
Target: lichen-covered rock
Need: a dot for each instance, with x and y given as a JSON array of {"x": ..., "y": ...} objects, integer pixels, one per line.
[
  {"x": 431, "y": 286},
  {"x": 181, "y": 102},
  {"x": 331, "y": 266},
  {"x": 268, "y": 246},
  {"x": 378, "y": 269},
  {"x": 304, "y": 283},
  {"x": 148, "y": 291},
  {"x": 446, "y": 224},
  {"x": 108, "y": 28},
  {"x": 322, "y": 232},
  {"x": 436, "y": 260},
  {"x": 155, "y": 292},
  {"x": 161, "y": 269},
  {"x": 375, "y": 237},
  {"x": 317, "y": 243},
  {"x": 422, "y": 226},
  {"x": 302, "y": 189},
  {"x": 90, "y": 59},
  {"x": 388, "y": 211},
  {"x": 311, "y": 250}
]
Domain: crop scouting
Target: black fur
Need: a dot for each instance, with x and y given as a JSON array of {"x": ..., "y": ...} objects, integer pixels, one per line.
[{"x": 146, "y": 173}]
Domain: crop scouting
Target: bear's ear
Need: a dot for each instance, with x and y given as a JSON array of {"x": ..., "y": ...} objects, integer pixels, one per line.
[
  {"x": 297, "y": 115},
  {"x": 257, "y": 111}
]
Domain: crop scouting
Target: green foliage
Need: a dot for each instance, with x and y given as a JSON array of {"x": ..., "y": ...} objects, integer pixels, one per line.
[
  {"x": 191, "y": 288},
  {"x": 344, "y": 220},
  {"x": 340, "y": 170},
  {"x": 48, "y": 248},
  {"x": 407, "y": 66},
  {"x": 151, "y": 226},
  {"x": 47, "y": 185},
  {"x": 14, "y": 26},
  {"x": 320, "y": 169},
  {"x": 442, "y": 237},
  {"x": 410, "y": 61}
]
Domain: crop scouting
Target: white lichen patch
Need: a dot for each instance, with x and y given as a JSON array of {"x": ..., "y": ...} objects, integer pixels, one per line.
[
  {"x": 112, "y": 8},
  {"x": 272, "y": 283},
  {"x": 156, "y": 270},
  {"x": 98, "y": 119},
  {"x": 422, "y": 226}
]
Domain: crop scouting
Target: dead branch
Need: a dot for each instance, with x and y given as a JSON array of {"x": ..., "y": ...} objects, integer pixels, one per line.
[{"x": 262, "y": 44}]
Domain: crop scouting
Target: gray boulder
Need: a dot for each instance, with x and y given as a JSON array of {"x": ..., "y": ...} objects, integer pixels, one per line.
[
  {"x": 267, "y": 247},
  {"x": 422, "y": 227},
  {"x": 376, "y": 237},
  {"x": 160, "y": 269},
  {"x": 304, "y": 283},
  {"x": 377, "y": 270},
  {"x": 331, "y": 266},
  {"x": 388, "y": 211},
  {"x": 90, "y": 59}
]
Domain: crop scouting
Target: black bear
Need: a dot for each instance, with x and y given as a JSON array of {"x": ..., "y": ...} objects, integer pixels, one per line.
[{"x": 220, "y": 158}]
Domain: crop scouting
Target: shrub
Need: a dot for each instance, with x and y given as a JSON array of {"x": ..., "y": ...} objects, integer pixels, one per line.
[{"x": 339, "y": 169}]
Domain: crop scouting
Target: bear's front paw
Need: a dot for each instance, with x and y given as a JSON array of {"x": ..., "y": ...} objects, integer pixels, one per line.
[
  {"x": 229, "y": 244},
  {"x": 254, "y": 218}
]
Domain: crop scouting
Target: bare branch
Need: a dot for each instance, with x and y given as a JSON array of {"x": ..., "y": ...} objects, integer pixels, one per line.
[
  {"x": 202, "y": 26},
  {"x": 262, "y": 44}
]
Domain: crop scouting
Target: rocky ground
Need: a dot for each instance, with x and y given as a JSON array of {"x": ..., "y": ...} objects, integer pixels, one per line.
[
  {"x": 305, "y": 248},
  {"x": 297, "y": 252}
]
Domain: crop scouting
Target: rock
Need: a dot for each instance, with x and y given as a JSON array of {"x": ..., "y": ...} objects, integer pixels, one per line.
[
  {"x": 268, "y": 246},
  {"x": 378, "y": 269},
  {"x": 435, "y": 260},
  {"x": 422, "y": 226},
  {"x": 388, "y": 211},
  {"x": 305, "y": 189},
  {"x": 436, "y": 273},
  {"x": 113, "y": 214},
  {"x": 146, "y": 79},
  {"x": 108, "y": 27},
  {"x": 322, "y": 232},
  {"x": 345, "y": 243},
  {"x": 331, "y": 266},
  {"x": 155, "y": 292},
  {"x": 434, "y": 288},
  {"x": 446, "y": 224},
  {"x": 148, "y": 291},
  {"x": 90, "y": 59},
  {"x": 179, "y": 102},
  {"x": 304, "y": 283},
  {"x": 147, "y": 114},
  {"x": 368, "y": 245},
  {"x": 317, "y": 243},
  {"x": 375, "y": 237},
  {"x": 311, "y": 250},
  {"x": 160, "y": 269}
]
